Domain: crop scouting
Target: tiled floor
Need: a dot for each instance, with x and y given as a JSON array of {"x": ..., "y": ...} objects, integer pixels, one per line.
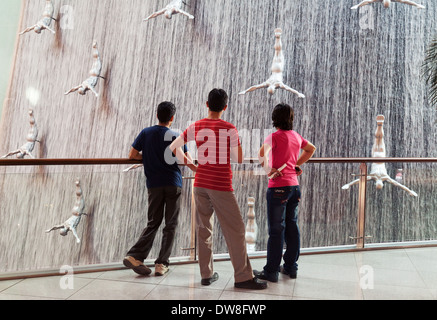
[{"x": 400, "y": 274}]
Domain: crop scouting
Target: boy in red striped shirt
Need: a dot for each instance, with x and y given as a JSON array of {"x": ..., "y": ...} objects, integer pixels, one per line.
[{"x": 217, "y": 142}]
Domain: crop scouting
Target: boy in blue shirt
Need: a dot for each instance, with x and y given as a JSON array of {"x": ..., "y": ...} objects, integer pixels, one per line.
[{"x": 164, "y": 184}]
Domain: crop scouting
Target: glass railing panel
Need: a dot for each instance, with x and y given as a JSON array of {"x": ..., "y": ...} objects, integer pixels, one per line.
[
  {"x": 395, "y": 215},
  {"x": 34, "y": 199},
  {"x": 327, "y": 214}
]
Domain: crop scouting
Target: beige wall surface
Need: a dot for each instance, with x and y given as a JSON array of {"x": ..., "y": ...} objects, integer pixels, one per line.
[{"x": 9, "y": 19}]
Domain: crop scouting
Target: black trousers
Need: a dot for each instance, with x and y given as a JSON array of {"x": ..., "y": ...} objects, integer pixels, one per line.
[{"x": 164, "y": 202}]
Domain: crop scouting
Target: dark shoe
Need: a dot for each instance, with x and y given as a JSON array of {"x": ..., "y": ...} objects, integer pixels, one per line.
[
  {"x": 261, "y": 275},
  {"x": 208, "y": 281},
  {"x": 137, "y": 266},
  {"x": 292, "y": 274},
  {"x": 253, "y": 284}
]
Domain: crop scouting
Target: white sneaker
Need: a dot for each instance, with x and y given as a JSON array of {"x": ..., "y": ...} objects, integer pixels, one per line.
[{"x": 160, "y": 269}]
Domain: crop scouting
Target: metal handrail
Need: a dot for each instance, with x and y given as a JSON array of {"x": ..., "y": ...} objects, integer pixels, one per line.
[
  {"x": 117, "y": 161},
  {"x": 371, "y": 160},
  {"x": 66, "y": 162}
]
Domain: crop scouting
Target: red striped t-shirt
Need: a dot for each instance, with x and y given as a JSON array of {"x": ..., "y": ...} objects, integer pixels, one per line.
[{"x": 214, "y": 140}]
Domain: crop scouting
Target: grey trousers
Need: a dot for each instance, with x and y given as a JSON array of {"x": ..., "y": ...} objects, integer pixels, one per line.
[{"x": 231, "y": 222}]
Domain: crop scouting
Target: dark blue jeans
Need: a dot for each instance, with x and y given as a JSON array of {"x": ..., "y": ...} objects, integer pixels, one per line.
[{"x": 282, "y": 206}]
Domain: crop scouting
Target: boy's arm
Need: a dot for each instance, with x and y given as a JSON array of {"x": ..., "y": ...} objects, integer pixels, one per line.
[
  {"x": 263, "y": 157},
  {"x": 176, "y": 147},
  {"x": 237, "y": 154},
  {"x": 134, "y": 154},
  {"x": 188, "y": 155}
]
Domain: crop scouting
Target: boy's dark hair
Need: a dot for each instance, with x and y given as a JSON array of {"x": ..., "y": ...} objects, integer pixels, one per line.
[
  {"x": 283, "y": 116},
  {"x": 217, "y": 100},
  {"x": 166, "y": 110}
]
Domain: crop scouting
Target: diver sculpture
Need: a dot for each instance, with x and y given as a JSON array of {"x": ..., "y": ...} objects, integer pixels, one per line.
[
  {"x": 91, "y": 82},
  {"x": 45, "y": 22},
  {"x": 172, "y": 8},
  {"x": 276, "y": 79},
  {"x": 135, "y": 166},
  {"x": 251, "y": 226},
  {"x": 72, "y": 223},
  {"x": 387, "y": 3},
  {"x": 27, "y": 148},
  {"x": 378, "y": 171}
]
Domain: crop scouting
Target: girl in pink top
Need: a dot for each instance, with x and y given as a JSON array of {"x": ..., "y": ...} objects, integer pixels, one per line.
[
  {"x": 281, "y": 157},
  {"x": 285, "y": 146}
]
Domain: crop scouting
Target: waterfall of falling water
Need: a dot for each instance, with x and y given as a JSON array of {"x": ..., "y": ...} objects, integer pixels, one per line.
[{"x": 351, "y": 65}]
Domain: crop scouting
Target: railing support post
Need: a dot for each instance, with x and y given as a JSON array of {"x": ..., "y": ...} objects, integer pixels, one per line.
[
  {"x": 361, "y": 228},
  {"x": 193, "y": 255}
]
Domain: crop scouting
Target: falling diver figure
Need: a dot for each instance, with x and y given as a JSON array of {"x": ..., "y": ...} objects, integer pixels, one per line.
[
  {"x": 378, "y": 171},
  {"x": 27, "y": 148},
  {"x": 276, "y": 79},
  {"x": 387, "y": 3},
  {"x": 135, "y": 166},
  {"x": 91, "y": 82},
  {"x": 72, "y": 223},
  {"x": 45, "y": 22},
  {"x": 172, "y": 8}
]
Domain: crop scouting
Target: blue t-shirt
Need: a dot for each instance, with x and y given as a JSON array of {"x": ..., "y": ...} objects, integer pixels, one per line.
[{"x": 160, "y": 165}]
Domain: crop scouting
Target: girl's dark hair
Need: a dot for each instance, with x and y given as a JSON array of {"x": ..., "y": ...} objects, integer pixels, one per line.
[
  {"x": 166, "y": 110},
  {"x": 283, "y": 116},
  {"x": 217, "y": 100}
]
